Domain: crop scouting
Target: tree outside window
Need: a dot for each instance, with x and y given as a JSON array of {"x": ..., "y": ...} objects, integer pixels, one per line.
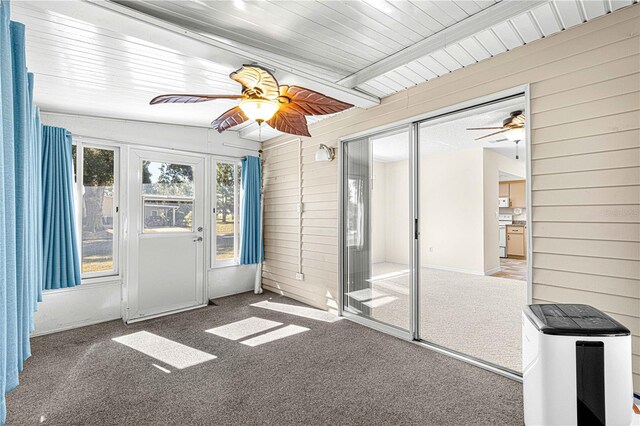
[
  {"x": 97, "y": 207},
  {"x": 226, "y": 216}
]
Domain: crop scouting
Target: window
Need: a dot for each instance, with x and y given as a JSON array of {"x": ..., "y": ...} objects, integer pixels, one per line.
[
  {"x": 168, "y": 197},
  {"x": 96, "y": 199},
  {"x": 225, "y": 238}
]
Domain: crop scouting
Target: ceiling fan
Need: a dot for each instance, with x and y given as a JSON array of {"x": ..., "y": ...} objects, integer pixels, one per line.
[
  {"x": 282, "y": 107},
  {"x": 512, "y": 127}
]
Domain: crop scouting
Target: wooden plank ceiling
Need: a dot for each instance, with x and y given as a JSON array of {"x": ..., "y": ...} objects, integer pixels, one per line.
[{"x": 87, "y": 68}]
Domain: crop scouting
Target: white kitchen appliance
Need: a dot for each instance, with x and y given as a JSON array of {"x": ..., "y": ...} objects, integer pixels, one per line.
[
  {"x": 503, "y": 202},
  {"x": 576, "y": 367},
  {"x": 503, "y": 221}
]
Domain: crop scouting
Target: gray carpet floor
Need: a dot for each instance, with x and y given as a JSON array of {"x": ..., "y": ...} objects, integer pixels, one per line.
[
  {"x": 476, "y": 315},
  {"x": 333, "y": 373}
]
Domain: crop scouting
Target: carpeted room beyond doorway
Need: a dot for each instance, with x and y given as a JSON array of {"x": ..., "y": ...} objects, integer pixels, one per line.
[{"x": 333, "y": 373}]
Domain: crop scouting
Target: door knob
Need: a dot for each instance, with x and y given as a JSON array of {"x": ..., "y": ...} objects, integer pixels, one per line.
[{"x": 197, "y": 240}]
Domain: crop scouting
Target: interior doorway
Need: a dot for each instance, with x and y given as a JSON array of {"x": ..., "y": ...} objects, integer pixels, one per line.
[
  {"x": 166, "y": 227},
  {"x": 423, "y": 221}
]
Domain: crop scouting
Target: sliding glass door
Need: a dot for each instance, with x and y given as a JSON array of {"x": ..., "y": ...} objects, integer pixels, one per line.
[
  {"x": 376, "y": 224},
  {"x": 467, "y": 302},
  {"x": 434, "y": 232}
]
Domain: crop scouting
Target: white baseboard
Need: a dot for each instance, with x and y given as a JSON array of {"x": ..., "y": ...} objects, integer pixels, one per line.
[
  {"x": 450, "y": 269},
  {"x": 493, "y": 271},
  {"x": 71, "y": 327}
]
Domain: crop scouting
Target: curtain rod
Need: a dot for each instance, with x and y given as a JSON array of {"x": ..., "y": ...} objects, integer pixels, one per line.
[{"x": 244, "y": 157}]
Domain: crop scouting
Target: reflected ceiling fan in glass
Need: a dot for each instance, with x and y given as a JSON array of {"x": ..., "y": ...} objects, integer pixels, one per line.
[
  {"x": 512, "y": 127},
  {"x": 263, "y": 100}
]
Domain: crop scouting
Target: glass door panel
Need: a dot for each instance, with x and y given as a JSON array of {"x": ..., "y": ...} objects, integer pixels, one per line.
[
  {"x": 466, "y": 302},
  {"x": 377, "y": 222}
]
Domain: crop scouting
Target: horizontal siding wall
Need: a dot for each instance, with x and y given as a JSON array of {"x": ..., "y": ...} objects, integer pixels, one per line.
[{"x": 585, "y": 131}]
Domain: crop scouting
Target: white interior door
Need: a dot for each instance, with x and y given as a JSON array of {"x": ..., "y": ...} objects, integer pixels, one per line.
[{"x": 166, "y": 229}]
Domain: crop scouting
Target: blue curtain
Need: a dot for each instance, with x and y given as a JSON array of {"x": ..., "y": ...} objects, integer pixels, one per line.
[
  {"x": 20, "y": 204},
  {"x": 61, "y": 258},
  {"x": 251, "y": 247}
]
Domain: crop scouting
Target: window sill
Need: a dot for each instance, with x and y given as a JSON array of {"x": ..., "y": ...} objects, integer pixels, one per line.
[
  {"x": 221, "y": 265},
  {"x": 87, "y": 284}
]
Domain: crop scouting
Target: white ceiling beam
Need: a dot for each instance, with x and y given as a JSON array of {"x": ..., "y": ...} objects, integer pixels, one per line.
[
  {"x": 486, "y": 18},
  {"x": 255, "y": 133},
  {"x": 248, "y": 132},
  {"x": 129, "y": 22}
]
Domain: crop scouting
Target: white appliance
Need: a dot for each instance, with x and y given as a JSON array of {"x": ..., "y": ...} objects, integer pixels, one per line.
[
  {"x": 576, "y": 367},
  {"x": 503, "y": 202},
  {"x": 503, "y": 221},
  {"x": 503, "y": 241}
]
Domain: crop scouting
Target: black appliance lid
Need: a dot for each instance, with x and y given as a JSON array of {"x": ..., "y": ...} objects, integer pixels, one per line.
[{"x": 573, "y": 320}]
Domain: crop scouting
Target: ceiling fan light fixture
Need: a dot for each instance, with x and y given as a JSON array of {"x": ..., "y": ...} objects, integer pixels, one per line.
[
  {"x": 283, "y": 107},
  {"x": 259, "y": 109},
  {"x": 515, "y": 134}
]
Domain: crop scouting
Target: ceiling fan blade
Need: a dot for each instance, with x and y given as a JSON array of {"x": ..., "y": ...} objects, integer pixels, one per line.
[
  {"x": 492, "y": 134},
  {"x": 309, "y": 102},
  {"x": 258, "y": 79},
  {"x": 518, "y": 120},
  {"x": 484, "y": 128},
  {"x": 230, "y": 118},
  {"x": 290, "y": 121},
  {"x": 500, "y": 140},
  {"x": 189, "y": 99}
]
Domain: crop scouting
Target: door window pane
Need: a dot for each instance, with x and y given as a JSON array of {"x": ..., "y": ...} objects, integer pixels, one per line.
[
  {"x": 168, "y": 197},
  {"x": 166, "y": 179},
  {"x": 161, "y": 215},
  {"x": 98, "y": 210}
]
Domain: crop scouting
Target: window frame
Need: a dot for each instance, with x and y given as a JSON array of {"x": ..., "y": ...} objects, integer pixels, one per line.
[
  {"x": 80, "y": 145},
  {"x": 222, "y": 263}
]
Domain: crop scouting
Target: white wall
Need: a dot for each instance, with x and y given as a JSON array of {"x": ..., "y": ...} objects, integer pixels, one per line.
[
  {"x": 493, "y": 163},
  {"x": 379, "y": 205},
  {"x": 231, "y": 280},
  {"x": 459, "y": 207},
  {"x": 451, "y": 211},
  {"x": 397, "y": 219},
  {"x": 94, "y": 302}
]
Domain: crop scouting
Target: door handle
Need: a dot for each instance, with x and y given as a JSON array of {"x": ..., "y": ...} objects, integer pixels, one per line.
[{"x": 197, "y": 240}]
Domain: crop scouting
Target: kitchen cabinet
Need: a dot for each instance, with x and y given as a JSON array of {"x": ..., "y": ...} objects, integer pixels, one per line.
[
  {"x": 516, "y": 241},
  {"x": 504, "y": 190},
  {"x": 517, "y": 194}
]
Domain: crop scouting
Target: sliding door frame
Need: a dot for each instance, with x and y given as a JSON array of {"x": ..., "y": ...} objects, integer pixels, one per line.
[{"x": 413, "y": 334}]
